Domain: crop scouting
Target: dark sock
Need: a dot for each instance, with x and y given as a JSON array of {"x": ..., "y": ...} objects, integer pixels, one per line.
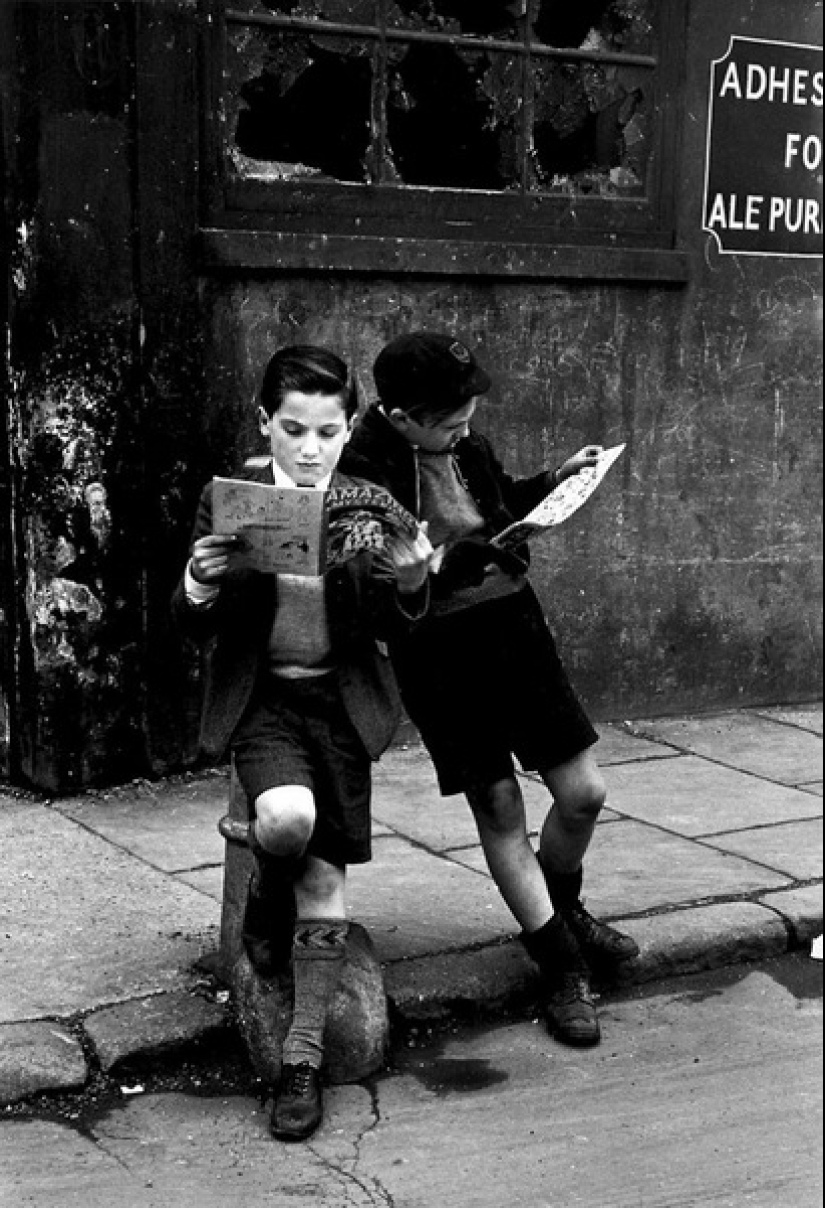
[
  {"x": 318, "y": 958},
  {"x": 565, "y": 887},
  {"x": 269, "y": 916},
  {"x": 555, "y": 949}
]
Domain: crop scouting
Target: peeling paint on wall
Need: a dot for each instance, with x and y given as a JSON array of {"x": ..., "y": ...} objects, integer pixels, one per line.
[{"x": 77, "y": 467}]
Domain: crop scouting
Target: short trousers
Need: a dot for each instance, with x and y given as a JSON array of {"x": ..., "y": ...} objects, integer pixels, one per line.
[
  {"x": 485, "y": 684},
  {"x": 297, "y": 732}
]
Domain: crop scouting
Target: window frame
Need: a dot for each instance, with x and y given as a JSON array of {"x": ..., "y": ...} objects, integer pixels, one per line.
[{"x": 326, "y": 225}]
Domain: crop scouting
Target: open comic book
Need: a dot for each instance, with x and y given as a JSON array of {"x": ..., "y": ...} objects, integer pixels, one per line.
[
  {"x": 299, "y": 530},
  {"x": 560, "y": 504}
]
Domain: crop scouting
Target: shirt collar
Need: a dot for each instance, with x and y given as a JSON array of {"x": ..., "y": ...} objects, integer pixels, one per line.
[{"x": 282, "y": 479}]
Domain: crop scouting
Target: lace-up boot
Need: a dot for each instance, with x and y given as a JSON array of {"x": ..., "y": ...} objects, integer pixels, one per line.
[
  {"x": 298, "y": 1108},
  {"x": 568, "y": 1002},
  {"x": 603, "y": 946}
]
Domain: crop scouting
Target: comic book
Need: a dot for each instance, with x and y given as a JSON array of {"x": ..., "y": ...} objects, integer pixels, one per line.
[
  {"x": 560, "y": 504},
  {"x": 300, "y": 530}
]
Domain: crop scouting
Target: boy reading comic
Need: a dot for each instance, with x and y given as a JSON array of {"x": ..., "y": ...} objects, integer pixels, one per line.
[
  {"x": 480, "y": 676},
  {"x": 299, "y": 690}
]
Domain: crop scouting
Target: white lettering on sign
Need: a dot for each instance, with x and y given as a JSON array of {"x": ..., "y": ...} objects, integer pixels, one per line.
[
  {"x": 800, "y": 87},
  {"x": 810, "y": 150},
  {"x": 763, "y": 183},
  {"x": 792, "y": 214}
]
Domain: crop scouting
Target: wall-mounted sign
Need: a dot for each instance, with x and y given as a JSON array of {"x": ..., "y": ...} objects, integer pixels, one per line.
[{"x": 763, "y": 182}]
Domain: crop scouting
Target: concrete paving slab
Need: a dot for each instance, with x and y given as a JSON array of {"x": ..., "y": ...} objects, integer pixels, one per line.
[
  {"x": 619, "y": 746},
  {"x": 746, "y": 741},
  {"x": 692, "y": 796},
  {"x": 807, "y": 717},
  {"x": 205, "y": 880},
  {"x": 406, "y": 800},
  {"x": 814, "y": 789},
  {"x": 172, "y": 825},
  {"x": 84, "y": 924},
  {"x": 632, "y": 869},
  {"x": 412, "y": 902},
  {"x": 37, "y": 1057},
  {"x": 791, "y": 848}
]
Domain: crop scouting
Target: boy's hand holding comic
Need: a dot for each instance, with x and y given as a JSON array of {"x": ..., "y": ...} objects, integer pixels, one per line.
[
  {"x": 586, "y": 458},
  {"x": 210, "y": 559}
]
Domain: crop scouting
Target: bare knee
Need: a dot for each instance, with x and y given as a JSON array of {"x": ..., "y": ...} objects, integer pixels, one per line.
[
  {"x": 285, "y": 820},
  {"x": 498, "y": 808},
  {"x": 582, "y": 803},
  {"x": 579, "y": 791}
]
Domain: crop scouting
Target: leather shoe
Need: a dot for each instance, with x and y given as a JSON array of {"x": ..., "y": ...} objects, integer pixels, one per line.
[
  {"x": 602, "y": 945},
  {"x": 571, "y": 1011},
  {"x": 298, "y": 1108}
]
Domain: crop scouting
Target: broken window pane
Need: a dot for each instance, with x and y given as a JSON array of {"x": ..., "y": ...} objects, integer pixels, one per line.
[
  {"x": 306, "y": 106},
  {"x": 610, "y": 25},
  {"x": 472, "y": 18},
  {"x": 590, "y": 132},
  {"x": 444, "y": 114},
  {"x": 452, "y": 118}
]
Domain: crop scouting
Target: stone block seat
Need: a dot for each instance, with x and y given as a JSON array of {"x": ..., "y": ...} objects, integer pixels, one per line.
[{"x": 357, "y": 1037}]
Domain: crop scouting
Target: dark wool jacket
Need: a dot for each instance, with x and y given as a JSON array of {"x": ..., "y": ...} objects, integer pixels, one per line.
[
  {"x": 379, "y": 453},
  {"x": 363, "y": 610}
]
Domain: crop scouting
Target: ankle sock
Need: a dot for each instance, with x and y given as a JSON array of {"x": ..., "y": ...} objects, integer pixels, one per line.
[
  {"x": 318, "y": 954},
  {"x": 555, "y": 949}
]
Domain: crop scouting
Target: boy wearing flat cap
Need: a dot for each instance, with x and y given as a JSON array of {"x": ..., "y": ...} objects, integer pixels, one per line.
[{"x": 480, "y": 676}]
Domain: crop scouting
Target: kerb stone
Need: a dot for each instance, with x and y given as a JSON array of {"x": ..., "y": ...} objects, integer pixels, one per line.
[
  {"x": 146, "y": 1028},
  {"x": 38, "y": 1056}
]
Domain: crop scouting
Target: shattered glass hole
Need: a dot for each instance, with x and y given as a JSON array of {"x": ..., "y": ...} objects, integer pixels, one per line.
[
  {"x": 590, "y": 128},
  {"x": 607, "y": 25},
  {"x": 447, "y": 126},
  {"x": 309, "y": 109}
]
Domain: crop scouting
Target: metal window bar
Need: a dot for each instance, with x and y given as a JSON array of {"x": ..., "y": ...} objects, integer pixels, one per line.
[
  {"x": 527, "y": 106},
  {"x": 527, "y": 48},
  {"x": 461, "y": 41},
  {"x": 380, "y": 93}
]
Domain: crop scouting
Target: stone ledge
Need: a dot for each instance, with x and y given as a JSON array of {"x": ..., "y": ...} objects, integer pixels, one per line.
[
  {"x": 39, "y": 1056},
  {"x": 148, "y": 1027}
]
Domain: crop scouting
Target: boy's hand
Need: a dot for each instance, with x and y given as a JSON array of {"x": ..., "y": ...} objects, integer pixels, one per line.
[
  {"x": 411, "y": 559},
  {"x": 586, "y": 458},
  {"x": 209, "y": 561}
]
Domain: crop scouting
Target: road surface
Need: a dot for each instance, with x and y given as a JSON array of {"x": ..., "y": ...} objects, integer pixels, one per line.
[{"x": 705, "y": 1092}]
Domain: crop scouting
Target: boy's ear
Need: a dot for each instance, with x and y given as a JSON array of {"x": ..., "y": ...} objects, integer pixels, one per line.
[{"x": 263, "y": 421}]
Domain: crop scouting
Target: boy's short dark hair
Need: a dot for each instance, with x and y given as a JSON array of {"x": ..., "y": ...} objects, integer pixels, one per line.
[
  {"x": 429, "y": 375},
  {"x": 310, "y": 370}
]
